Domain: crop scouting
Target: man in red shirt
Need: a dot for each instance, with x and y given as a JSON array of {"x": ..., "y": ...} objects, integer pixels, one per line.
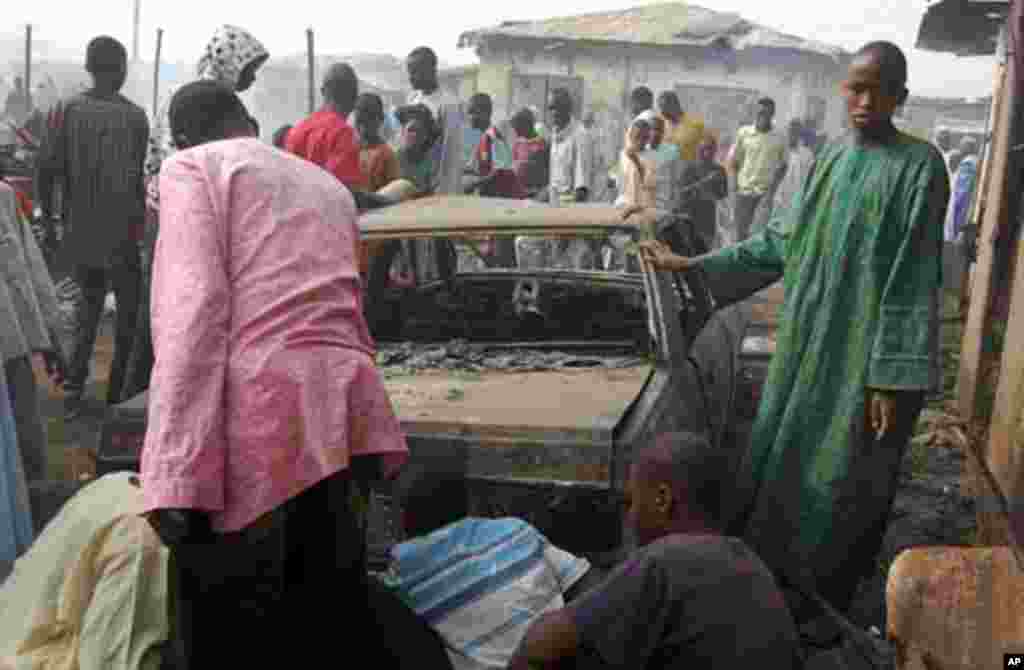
[{"x": 326, "y": 137}]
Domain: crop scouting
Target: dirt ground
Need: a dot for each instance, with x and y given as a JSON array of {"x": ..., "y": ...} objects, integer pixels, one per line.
[
  {"x": 929, "y": 508},
  {"x": 67, "y": 458}
]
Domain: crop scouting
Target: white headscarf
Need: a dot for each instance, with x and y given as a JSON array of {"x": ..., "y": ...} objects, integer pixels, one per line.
[
  {"x": 647, "y": 116},
  {"x": 230, "y": 50}
]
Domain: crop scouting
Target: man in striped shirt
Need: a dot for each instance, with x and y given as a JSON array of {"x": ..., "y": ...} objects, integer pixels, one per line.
[{"x": 95, "y": 149}]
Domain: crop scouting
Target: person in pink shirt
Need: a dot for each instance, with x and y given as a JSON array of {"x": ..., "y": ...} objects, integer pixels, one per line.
[{"x": 267, "y": 416}]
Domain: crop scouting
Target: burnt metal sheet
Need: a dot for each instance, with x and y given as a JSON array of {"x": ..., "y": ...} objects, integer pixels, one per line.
[
  {"x": 557, "y": 407},
  {"x": 544, "y": 458},
  {"x": 468, "y": 216}
]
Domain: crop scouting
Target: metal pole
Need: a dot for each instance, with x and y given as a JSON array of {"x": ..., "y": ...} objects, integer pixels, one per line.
[
  {"x": 28, "y": 64},
  {"x": 156, "y": 72},
  {"x": 311, "y": 67},
  {"x": 135, "y": 31}
]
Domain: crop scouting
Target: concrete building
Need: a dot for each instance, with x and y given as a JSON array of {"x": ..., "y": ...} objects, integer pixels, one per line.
[
  {"x": 923, "y": 116},
  {"x": 461, "y": 82},
  {"x": 718, "y": 63}
]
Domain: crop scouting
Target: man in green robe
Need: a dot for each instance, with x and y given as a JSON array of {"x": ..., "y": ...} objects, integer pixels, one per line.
[{"x": 860, "y": 256}]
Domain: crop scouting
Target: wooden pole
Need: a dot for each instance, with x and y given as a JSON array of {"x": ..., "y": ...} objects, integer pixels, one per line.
[
  {"x": 311, "y": 63},
  {"x": 978, "y": 324},
  {"x": 1004, "y": 452},
  {"x": 28, "y": 64},
  {"x": 156, "y": 73},
  {"x": 981, "y": 187}
]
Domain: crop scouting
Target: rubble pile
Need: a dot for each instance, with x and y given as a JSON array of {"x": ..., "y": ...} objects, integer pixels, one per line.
[{"x": 410, "y": 357}]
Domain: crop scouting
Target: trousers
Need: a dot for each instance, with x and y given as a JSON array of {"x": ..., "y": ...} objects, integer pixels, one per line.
[
  {"x": 123, "y": 274},
  {"x": 293, "y": 588},
  {"x": 745, "y": 209}
]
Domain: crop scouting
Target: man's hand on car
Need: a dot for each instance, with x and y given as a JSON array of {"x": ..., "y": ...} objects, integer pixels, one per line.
[
  {"x": 630, "y": 210},
  {"x": 661, "y": 257}
]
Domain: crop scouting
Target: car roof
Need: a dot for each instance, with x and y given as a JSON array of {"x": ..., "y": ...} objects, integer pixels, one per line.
[{"x": 469, "y": 216}]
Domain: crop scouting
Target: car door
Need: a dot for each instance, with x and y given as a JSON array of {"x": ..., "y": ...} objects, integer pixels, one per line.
[{"x": 697, "y": 337}]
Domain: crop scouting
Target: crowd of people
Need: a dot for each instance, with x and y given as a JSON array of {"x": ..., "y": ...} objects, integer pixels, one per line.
[
  {"x": 669, "y": 160},
  {"x": 28, "y": 112},
  {"x": 269, "y": 420}
]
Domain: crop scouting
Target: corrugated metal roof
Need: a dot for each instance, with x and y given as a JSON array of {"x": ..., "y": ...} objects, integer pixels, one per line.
[
  {"x": 962, "y": 27},
  {"x": 663, "y": 24}
]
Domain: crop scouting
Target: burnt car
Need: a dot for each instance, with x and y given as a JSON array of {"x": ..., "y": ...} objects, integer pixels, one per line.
[{"x": 539, "y": 384}]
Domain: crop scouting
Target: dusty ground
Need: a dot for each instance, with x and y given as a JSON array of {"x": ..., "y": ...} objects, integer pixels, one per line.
[
  {"x": 929, "y": 508},
  {"x": 66, "y": 456}
]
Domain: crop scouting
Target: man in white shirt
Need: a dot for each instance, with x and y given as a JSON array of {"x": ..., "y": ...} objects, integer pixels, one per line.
[
  {"x": 447, "y": 153},
  {"x": 572, "y": 173},
  {"x": 801, "y": 158},
  {"x": 571, "y": 153},
  {"x": 599, "y": 152},
  {"x": 448, "y": 149}
]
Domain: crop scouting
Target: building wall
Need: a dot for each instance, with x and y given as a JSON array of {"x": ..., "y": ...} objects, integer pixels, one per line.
[
  {"x": 921, "y": 114},
  {"x": 462, "y": 83},
  {"x": 609, "y": 72}
]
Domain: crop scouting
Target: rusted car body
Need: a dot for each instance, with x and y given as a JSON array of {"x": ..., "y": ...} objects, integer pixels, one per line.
[{"x": 538, "y": 384}]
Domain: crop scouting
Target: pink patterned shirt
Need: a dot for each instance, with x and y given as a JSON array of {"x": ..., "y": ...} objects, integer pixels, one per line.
[{"x": 264, "y": 382}]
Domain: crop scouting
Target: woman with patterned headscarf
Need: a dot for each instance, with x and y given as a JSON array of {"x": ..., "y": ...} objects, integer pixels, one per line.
[{"x": 232, "y": 57}]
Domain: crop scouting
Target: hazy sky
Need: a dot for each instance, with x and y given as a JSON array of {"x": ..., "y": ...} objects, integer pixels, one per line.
[{"x": 396, "y": 27}]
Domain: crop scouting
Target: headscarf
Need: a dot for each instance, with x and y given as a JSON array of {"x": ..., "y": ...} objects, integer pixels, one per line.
[
  {"x": 229, "y": 52},
  {"x": 648, "y": 116},
  {"x": 226, "y": 55}
]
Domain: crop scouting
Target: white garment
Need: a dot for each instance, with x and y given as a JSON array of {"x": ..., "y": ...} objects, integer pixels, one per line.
[
  {"x": 29, "y": 312},
  {"x": 571, "y": 159},
  {"x": 799, "y": 166},
  {"x": 451, "y": 120},
  {"x": 91, "y": 592},
  {"x": 668, "y": 174}
]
